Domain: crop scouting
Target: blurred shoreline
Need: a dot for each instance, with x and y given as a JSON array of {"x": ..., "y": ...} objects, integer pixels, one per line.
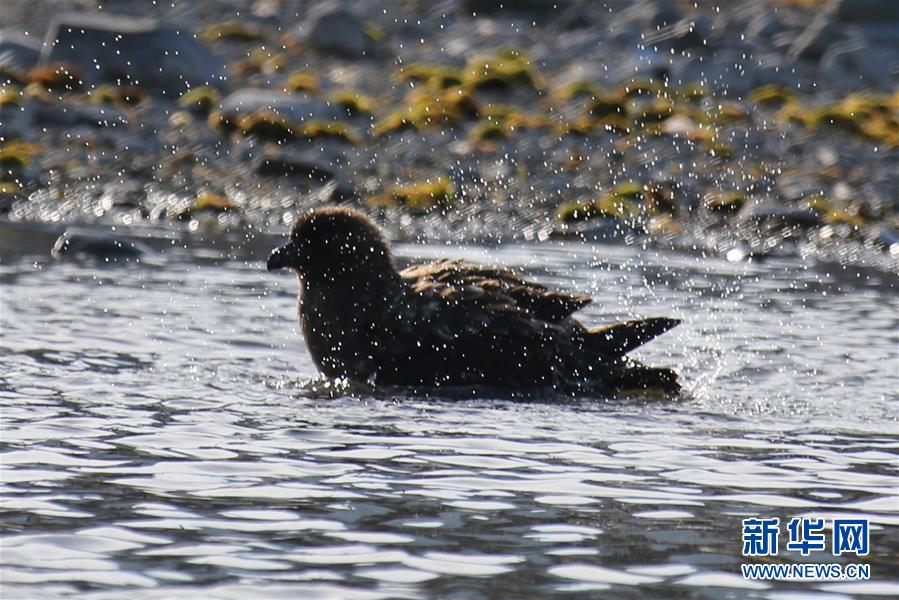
[{"x": 746, "y": 131}]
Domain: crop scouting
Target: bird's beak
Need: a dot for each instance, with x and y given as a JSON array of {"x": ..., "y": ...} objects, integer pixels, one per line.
[{"x": 285, "y": 256}]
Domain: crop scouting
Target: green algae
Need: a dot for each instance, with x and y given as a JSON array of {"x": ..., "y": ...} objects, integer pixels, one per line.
[
  {"x": 417, "y": 197},
  {"x": 231, "y": 30},
  {"x": 200, "y": 99}
]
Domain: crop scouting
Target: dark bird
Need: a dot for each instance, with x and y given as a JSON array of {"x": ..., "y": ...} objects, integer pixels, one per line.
[{"x": 449, "y": 323}]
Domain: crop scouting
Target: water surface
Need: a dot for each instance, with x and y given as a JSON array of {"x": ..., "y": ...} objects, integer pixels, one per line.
[{"x": 161, "y": 434}]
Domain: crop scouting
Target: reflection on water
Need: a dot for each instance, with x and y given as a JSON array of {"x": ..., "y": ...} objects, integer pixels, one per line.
[{"x": 160, "y": 433}]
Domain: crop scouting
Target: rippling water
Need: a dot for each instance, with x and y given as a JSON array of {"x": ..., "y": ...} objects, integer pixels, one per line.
[{"x": 161, "y": 433}]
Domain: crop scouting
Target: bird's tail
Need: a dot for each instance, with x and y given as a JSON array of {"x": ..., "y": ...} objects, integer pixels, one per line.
[
  {"x": 611, "y": 342},
  {"x": 614, "y": 341}
]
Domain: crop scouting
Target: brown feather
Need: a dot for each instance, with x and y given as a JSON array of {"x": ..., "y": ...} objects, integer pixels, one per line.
[{"x": 497, "y": 284}]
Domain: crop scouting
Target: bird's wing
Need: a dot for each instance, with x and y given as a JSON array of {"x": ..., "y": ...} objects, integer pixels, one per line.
[
  {"x": 459, "y": 323},
  {"x": 447, "y": 313},
  {"x": 464, "y": 333},
  {"x": 463, "y": 282}
]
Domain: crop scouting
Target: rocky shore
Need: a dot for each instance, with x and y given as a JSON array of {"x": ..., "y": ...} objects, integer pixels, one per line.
[{"x": 745, "y": 129}]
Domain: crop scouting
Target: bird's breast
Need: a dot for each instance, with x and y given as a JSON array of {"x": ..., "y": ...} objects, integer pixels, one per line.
[{"x": 339, "y": 333}]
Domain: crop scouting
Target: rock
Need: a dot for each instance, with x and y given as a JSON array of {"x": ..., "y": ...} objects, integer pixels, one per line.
[
  {"x": 643, "y": 17},
  {"x": 18, "y": 52},
  {"x": 763, "y": 26},
  {"x": 71, "y": 114},
  {"x": 487, "y": 7},
  {"x": 15, "y": 120},
  {"x": 574, "y": 18},
  {"x": 123, "y": 194},
  {"x": 868, "y": 10},
  {"x": 887, "y": 239},
  {"x": 772, "y": 69},
  {"x": 816, "y": 38},
  {"x": 848, "y": 66},
  {"x": 207, "y": 202},
  {"x": 650, "y": 15},
  {"x": 296, "y": 108},
  {"x": 7, "y": 199},
  {"x": 76, "y": 243},
  {"x": 296, "y": 164},
  {"x": 138, "y": 52},
  {"x": 774, "y": 213},
  {"x": 743, "y": 252},
  {"x": 596, "y": 230},
  {"x": 336, "y": 192},
  {"x": 684, "y": 35},
  {"x": 722, "y": 74},
  {"x": 337, "y": 31},
  {"x": 645, "y": 63},
  {"x": 879, "y": 35}
]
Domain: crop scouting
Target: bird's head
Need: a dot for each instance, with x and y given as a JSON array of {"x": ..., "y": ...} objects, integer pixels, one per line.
[{"x": 328, "y": 244}]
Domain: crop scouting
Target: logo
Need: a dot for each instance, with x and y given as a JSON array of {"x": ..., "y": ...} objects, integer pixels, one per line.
[
  {"x": 850, "y": 536},
  {"x": 760, "y": 536},
  {"x": 806, "y": 536}
]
